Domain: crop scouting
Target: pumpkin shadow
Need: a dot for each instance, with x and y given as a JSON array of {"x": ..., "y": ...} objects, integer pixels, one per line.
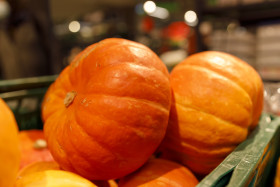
[{"x": 163, "y": 150}]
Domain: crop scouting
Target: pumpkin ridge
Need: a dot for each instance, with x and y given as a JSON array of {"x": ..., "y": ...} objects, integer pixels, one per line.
[
  {"x": 81, "y": 153},
  {"x": 199, "y": 145},
  {"x": 187, "y": 66},
  {"x": 152, "y": 68},
  {"x": 73, "y": 168},
  {"x": 194, "y": 151},
  {"x": 93, "y": 47},
  {"x": 123, "y": 125},
  {"x": 102, "y": 144},
  {"x": 216, "y": 117},
  {"x": 83, "y": 55},
  {"x": 54, "y": 128},
  {"x": 146, "y": 101}
]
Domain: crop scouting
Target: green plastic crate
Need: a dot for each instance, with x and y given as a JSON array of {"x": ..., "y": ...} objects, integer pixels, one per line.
[
  {"x": 252, "y": 163},
  {"x": 24, "y": 97}
]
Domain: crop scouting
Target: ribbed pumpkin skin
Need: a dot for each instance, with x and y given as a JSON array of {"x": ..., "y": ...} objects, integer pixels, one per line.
[
  {"x": 160, "y": 172},
  {"x": 29, "y": 151},
  {"x": 119, "y": 114},
  {"x": 9, "y": 146},
  {"x": 217, "y": 100}
]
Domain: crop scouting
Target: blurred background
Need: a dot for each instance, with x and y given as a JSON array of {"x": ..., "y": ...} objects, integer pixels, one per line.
[{"x": 41, "y": 37}]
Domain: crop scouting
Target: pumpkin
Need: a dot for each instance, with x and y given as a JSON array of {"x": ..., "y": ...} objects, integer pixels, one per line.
[
  {"x": 277, "y": 176},
  {"x": 53, "y": 178},
  {"x": 38, "y": 166},
  {"x": 217, "y": 100},
  {"x": 33, "y": 147},
  {"x": 108, "y": 111},
  {"x": 160, "y": 172},
  {"x": 9, "y": 146}
]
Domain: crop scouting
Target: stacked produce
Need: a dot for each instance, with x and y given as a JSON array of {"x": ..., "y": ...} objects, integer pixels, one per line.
[{"x": 116, "y": 117}]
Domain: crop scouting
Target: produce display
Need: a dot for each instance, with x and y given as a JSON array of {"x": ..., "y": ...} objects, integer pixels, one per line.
[
  {"x": 217, "y": 100},
  {"x": 115, "y": 117}
]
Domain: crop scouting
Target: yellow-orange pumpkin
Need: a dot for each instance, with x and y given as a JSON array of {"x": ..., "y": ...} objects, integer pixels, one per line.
[
  {"x": 53, "y": 178},
  {"x": 277, "y": 176},
  {"x": 217, "y": 100},
  {"x": 40, "y": 166},
  {"x": 33, "y": 147},
  {"x": 107, "y": 112},
  {"x": 36, "y": 167},
  {"x": 9, "y": 146},
  {"x": 160, "y": 172}
]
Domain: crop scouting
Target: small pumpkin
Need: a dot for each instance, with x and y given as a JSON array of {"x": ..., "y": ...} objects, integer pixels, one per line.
[
  {"x": 53, "y": 178},
  {"x": 38, "y": 166},
  {"x": 33, "y": 147},
  {"x": 277, "y": 175},
  {"x": 107, "y": 112},
  {"x": 217, "y": 100},
  {"x": 160, "y": 172},
  {"x": 9, "y": 146}
]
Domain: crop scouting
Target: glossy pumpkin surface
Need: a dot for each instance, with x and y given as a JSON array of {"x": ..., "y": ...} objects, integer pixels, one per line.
[
  {"x": 33, "y": 147},
  {"x": 107, "y": 112},
  {"x": 9, "y": 146},
  {"x": 160, "y": 172},
  {"x": 53, "y": 178},
  {"x": 217, "y": 100}
]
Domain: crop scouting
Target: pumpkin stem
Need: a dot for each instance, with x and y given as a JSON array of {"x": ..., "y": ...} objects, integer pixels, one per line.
[
  {"x": 69, "y": 98},
  {"x": 40, "y": 144}
]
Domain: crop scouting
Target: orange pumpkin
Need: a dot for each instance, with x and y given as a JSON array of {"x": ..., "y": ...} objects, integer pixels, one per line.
[
  {"x": 33, "y": 147},
  {"x": 9, "y": 146},
  {"x": 53, "y": 178},
  {"x": 107, "y": 112},
  {"x": 160, "y": 172},
  {"x": 217, "y": 100},
  {"x": 277, "y": 176}
]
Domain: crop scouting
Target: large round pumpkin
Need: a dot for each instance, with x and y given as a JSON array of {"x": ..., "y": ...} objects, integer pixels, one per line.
[
  {"x": 9, "y": 146},
  {"x": 107, "y": 112},
  {"x": 160, "y": 172},
  {"x": 33, "y": 147},
  {"x": 217, "y": 100}
]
